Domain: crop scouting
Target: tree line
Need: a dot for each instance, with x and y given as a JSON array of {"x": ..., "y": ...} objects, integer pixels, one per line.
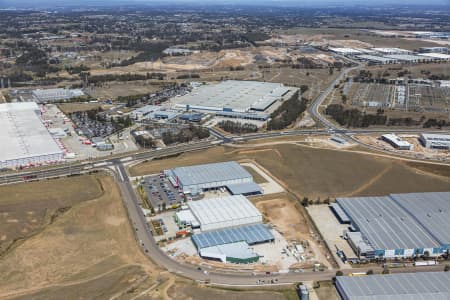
[
  {"x": 185, "y": 135},
  {"x": 237, "y": 127},
  {"x": 355, "y": 118},
  {"x": 288, "y": 112}
]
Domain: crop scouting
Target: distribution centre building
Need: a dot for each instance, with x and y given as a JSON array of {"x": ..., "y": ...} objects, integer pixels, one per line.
[
  {"x": 435, "y": 141},
  {"x": 224, "y": 212},
  {"x": 233, "y": 96},
  {"x": 194, "y": 179},
  {"x": 396, "y": 142},
  {"x": 399, "y": 225},
  {"x": 232, "y": 244},
  {"x": 24, "y": 138},
  {"x": 405, "y": 286}
]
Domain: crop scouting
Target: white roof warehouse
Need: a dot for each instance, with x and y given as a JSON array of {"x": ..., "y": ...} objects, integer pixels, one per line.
[
  {"x": 24, "y": 138},
  {"x": 195, "y": 179},
  {"x": 232, "y": 95},
  {"x": 224, "y": 212}
]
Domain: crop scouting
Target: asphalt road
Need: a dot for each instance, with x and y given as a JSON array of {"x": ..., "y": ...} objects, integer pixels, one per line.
[
  {"x": 152, "y": 250},
  {"x": 137, "y": 219}
]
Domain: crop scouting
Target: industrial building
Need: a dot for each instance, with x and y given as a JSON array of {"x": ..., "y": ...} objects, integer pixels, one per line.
[
  {"x": 408, "y": 58},
  {"x": 396, "y": 142},
  {"x": 52, "y": 95},
  {"x": 232, "y": 244},
  {"x": 233, "y": 96},
  {"x": 399, "y": 225},
  {"x": 435, "y": 141},
  {"x": 345, "y": 51},
  {"x": 224, "y": 212},
  {"x": 195, "y": 179},
  {"x": 24, "y": 138},
  {"x": 436, "y": 56},
  {"x": 237, "y": 253},
  {"x": 422, "y": 285},
  {"x": 376, "y": 60},
  {"x": 391, "y": 51}
]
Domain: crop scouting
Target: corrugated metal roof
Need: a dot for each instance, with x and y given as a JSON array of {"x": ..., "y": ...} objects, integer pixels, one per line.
[
  {"x": 206, "y": 173},
  {"x": 385, "y": 224},
  {"x": 233, "y": 94},
  {"x": 223, "y": 209},
  {"x": 340, "y": 212},
  {"x": 244, "y": 188},
  {"x": 431, "y": 210},
  {"x": 405, "y": 286},
  {"x": 251, "y": 234},
  {"x": 238, "y": 250}
]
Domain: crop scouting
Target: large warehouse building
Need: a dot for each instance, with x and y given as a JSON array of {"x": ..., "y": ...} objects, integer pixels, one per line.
[
  {"x": 194, "y": 179},
  {"x": 232, "y": 244},
  {"x": 435, "y": 141},
  {"x": 224, "y": 212},
  {"x": 407, "y": 286},
  {"x": 400, "y": 225},
  {"x": 24, "y": 138},
  {"x": 234, "y": 96},
  {"x": 52, "y": 95}
]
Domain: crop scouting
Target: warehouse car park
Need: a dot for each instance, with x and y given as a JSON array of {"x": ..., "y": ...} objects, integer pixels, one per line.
[{"x": 213, "y": 218}]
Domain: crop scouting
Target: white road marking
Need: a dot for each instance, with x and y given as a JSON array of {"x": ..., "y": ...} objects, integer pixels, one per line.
[{"x": 120, "y": 174}]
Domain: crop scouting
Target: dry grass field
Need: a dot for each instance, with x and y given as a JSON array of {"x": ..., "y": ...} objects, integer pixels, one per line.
[
  {"x": 27, "y": 209},
  {"x": 326, "y": 291},
  {"x": 184, "y": 290},
  {"x": 114, "y": 89},
  {"x": 68, "y": 108},
  {"x": 321, "y": 173},
  {"x": 88, "y": 251}
]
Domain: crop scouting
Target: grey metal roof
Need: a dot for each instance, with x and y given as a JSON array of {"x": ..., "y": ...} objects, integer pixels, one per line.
[
  {"x": 405, "y": 286},
  {"x": 251, "y": 234},
  {"x": 235, "y": 250},
  {"x": 206, "y": 173},
  {"x": 385, "y": 224},
  {"x": 340, "y": 212},
  {"x": 375, "y": 58},
  {"x": 436, "y": 137},
  {"x": 244, "y": 188},
  {"x": 233, "y": 94},
  {"x": 431, "y": 210}
]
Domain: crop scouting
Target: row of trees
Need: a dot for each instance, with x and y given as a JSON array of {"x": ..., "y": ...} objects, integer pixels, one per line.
[
  {"x": 96, "y": 79},
  {"x": 185, "y": 135},
  {"x": 287, "y": 113},
  {"x": 237, "y": 127},
  {"x": 355, "y": 118}
]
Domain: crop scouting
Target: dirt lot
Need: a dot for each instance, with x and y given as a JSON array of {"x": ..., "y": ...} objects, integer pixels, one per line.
[
  {"x": 86, "y": 252},
  {"x": 320, "y": 173},
  {"x": 287, "y": 219},
  {"x": 324, "y": 35}
]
